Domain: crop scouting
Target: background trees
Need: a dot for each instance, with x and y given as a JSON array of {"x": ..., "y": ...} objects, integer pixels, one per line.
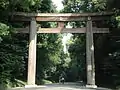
[{"x": 14, "y": 47}]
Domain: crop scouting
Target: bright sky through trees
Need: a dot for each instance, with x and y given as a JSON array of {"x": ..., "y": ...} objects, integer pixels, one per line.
[
  {"x": 58, "y": 3},
  {"x": 66, "y": 37}
]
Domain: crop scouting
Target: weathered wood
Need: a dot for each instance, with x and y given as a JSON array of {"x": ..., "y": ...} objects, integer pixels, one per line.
[
  {"x": 63, "y": 30},
  {"x": 32, "y": 54},
  {"x": 60, "y": 16},
  {"x": 71, "y": 18},
  {"x": 90, "y": 54},
  {"x": 61, "y": 25}
]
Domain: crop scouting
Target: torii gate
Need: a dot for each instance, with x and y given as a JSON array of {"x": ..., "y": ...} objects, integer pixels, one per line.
[{"x": 61, "y": 18}]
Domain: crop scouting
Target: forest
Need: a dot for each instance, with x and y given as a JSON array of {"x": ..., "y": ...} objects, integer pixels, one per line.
[{"x": 51, "y": 58}]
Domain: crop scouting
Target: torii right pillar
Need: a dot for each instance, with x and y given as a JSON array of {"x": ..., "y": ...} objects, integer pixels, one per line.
[{"x": 90, "y": 66}]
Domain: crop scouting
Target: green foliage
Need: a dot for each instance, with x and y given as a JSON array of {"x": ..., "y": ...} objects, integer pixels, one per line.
[
  {"x": 27, "y": 5},
  {"x": 49, "y": 50},
  {"x": 4, "y": 30},
  {"x": 76, "y": 6},
  {"x": 43, "y": 81},
  {"x": 46, "y": 82},
  {"x": 13, "y": 47},
  {"x": 16, "y": 83},
  {"x": 77, "y": 54},
  {"x": 12, "y": 59}
]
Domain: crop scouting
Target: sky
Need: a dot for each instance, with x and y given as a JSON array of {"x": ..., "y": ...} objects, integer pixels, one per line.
[{"x": 58, "y": 3}]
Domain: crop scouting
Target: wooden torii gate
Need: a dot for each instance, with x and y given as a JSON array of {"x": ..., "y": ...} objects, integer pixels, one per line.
[{"x": 32, "y": 29}]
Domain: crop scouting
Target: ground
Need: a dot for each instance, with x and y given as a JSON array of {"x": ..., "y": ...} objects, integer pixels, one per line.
[{"x": 66, "y": 86}]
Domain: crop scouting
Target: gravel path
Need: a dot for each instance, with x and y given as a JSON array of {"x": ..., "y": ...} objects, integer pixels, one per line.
[{"x": 66, "y": 86}]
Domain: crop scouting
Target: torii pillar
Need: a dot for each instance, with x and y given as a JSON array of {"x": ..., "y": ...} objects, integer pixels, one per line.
[
  {"x": 90, "y": 66},
  {"x": 32, "y": 54}
]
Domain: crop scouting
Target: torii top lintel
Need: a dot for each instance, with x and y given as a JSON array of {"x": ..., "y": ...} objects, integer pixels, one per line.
[{"x": 21, "y": 16}]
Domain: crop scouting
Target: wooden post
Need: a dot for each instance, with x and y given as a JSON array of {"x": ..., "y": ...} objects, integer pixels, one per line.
[
  {"x": 90, "y": 55},
  {"x": 32, "y": 53}
]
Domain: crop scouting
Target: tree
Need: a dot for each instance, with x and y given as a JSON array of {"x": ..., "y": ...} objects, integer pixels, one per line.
[
  {"x": 14, "y": 47},
  {"x": 49, "y": 53}
]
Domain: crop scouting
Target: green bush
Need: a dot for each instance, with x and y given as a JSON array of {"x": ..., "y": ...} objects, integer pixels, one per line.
[
  {"x": 15, "y": 83},
  {"x": 43, "y": 81},
  {"x": 46, "y": 81}
]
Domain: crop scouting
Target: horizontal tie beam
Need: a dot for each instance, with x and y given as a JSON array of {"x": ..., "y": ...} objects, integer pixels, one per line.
[{"x": 63, "y": 30}]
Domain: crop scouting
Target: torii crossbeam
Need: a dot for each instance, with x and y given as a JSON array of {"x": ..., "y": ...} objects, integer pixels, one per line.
[{"x": 61, "y": 18}]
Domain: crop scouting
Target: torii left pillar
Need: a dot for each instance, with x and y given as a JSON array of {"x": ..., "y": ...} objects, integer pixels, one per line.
[{"x": 32, "y": 54}]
